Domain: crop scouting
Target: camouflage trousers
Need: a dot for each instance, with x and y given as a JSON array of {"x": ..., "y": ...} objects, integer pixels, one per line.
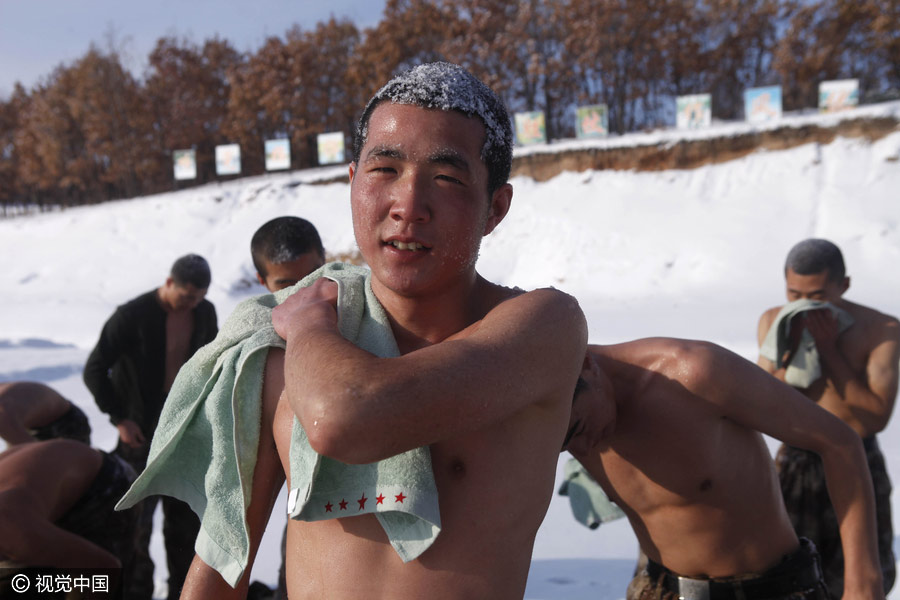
[{"x": 802, "y": 478}]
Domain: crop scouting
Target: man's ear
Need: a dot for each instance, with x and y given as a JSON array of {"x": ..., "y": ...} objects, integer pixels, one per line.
[
  {"x": 261, "y": 279},
  {"x": 352, "y": 171},
  {"x": 845, "y": 285},
  {"x": 500, "y": 202}
]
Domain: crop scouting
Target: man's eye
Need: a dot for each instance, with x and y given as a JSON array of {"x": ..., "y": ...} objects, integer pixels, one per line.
[{"x": 450, "y": 179}]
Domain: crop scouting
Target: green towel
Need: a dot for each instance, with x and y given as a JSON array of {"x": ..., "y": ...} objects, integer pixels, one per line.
[
  {"x": 204, "y": 449},
  {"x": 590, "y": 504},
  {"x": 804, "y": 367}
]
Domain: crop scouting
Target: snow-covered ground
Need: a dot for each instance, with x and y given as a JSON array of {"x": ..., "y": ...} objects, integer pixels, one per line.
[{"x": 694, "y": 254}]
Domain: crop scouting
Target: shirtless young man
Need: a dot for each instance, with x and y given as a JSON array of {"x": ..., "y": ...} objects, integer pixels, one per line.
[
  {"x": 485, "y": 377},
  {"x": 284, "y": 250},
  {"x": 671, "y": 429},
  {"x": 858, "y": 385}
]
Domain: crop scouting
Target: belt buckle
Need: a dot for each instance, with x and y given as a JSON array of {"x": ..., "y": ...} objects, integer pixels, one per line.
[{"x": 693, "y": 589}]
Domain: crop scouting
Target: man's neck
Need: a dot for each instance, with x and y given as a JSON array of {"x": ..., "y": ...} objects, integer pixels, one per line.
[{"x": 165, "y": 302}]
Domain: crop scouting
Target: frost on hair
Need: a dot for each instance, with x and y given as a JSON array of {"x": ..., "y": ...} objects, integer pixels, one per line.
[{"x": 445, "y": 86}]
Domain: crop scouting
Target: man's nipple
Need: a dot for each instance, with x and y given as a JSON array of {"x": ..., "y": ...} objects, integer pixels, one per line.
[{"x": 457, "y": 468}]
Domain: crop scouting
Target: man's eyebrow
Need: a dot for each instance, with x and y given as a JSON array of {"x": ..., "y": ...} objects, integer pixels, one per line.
[
  {"x": 818, "y": 291},
  {"x": 384, "y": 152},
  {"x": 450, "y": 158}
]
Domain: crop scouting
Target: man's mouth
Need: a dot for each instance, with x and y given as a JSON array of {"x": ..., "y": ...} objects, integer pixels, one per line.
[{"x": 411, "y": 246}]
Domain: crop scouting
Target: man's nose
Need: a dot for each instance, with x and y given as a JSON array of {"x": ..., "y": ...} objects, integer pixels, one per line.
[{"x": 410, "y": 201}]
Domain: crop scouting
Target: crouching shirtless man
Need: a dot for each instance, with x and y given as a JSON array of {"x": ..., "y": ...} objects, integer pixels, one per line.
[
  {"x": 671, "y": 430},
  {"x": 485, "y": 377}
]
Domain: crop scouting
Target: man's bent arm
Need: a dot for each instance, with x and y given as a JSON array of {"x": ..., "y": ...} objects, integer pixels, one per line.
[
  {"x": 25, "y": 405},
  {"x": 31, "y": 539},
  {"x": 109, "y": 348},
  {"x": 871, "y": 400},
  {"x": 359, "y": 408},
  {"x": 749, "y": 397},
  {"x": 202, "y": 581}
]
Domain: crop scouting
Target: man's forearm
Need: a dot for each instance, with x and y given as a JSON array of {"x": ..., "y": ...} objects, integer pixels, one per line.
[
  {"x": 96, "y": 379},
  {"x": 871, "y": 410},
  {"x": 320, "y": 401},
  {"x": 36, "y": 541},
  {"x": 850, "y": 489}
]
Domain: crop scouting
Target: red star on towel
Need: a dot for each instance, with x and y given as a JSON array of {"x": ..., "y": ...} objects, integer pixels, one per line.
[
  {"x": 328, "y": 507},
  {"x": 379, "y": 499},
  {"x": 343, "y": 504},
  {"x": 362, "y": 502},
  {"x": 399, "y": 497}
]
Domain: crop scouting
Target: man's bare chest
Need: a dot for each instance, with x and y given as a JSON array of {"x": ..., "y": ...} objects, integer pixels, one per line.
[
  {"x": 855, "y": 345},
  {"x": 179, "y": 327}
]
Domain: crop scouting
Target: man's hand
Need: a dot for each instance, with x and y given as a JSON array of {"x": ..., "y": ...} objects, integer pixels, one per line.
[
  {"x": 823, "y": 327},
  {"x": 796, "y": 331},
  {"x": 130, "y": 433},
  {"x": 312, "y": 306}
]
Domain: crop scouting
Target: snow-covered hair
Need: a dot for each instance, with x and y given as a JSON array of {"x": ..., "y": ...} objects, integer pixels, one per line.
[
  {"x": 445, "y": 86},
  {"x": 284, "y": 239}
]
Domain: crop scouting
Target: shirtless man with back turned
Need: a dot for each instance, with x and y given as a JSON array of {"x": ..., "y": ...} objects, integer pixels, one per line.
[
  {"x": 485, "y": 377},
  {"x": 671, "y": 429},
  {"x": 858, "y": 384}
]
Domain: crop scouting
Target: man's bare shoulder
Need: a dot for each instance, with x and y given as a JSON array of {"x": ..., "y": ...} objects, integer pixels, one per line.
[
  {"x": 873, "y": 318},
  {"x": 662, "y": 355},
  {"x": 695, "y": 365},
  {"x": 517, "y": 299},
  {"x": 517, "y": 307},
  {"x": 766, "y": 319},
  {"x": 762, "y": 328}
]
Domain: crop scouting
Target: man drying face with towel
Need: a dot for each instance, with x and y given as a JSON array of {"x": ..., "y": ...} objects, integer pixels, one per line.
[
  {"x": 857, "y": 382},
  {"x": 484, "y": 377}
]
